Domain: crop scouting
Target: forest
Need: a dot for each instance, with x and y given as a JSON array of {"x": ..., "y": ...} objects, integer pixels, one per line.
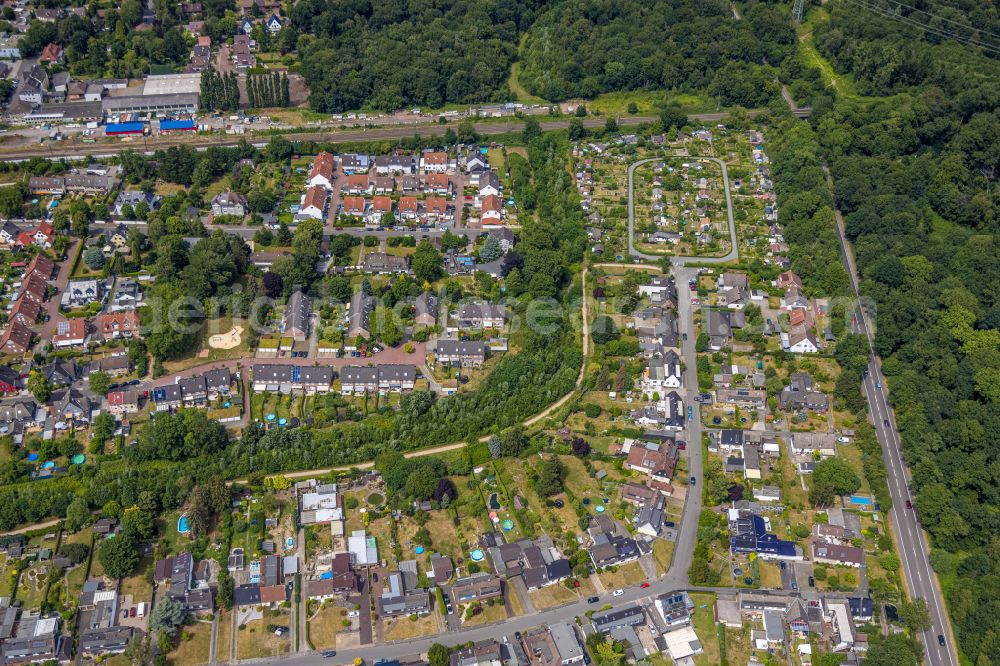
[
  {"x": 390, "y": 55},
  {"x": 913, "y": 163},
  {"x": 581, "y": 48}
]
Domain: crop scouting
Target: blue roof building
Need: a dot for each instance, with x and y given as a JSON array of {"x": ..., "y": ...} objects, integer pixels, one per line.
[
  {"x": 117, "y": 129},
  {"x": 748, "y": 534},
  {"x": 174, "y": 125}
]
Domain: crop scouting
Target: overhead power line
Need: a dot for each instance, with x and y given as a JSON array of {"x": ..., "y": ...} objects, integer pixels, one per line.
[{"x": 944, "y": 33}]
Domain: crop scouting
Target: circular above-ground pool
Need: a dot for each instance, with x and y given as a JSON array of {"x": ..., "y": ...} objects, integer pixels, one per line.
[
  {"x": 227, "y": 404},
  {"x": 586, "y": 501},
  {"x": 182, "y": 524},
  {"x": 282, "y": 421},
  {"x": 507, "y": 525},
  {"x": 32, "y": 457},
  {"x": 737, "y": 571},
  {"x": 290, "y": 542},
  {"x": 477, "y": 555},
  {"x": 78, "y": 459},
  {"x": 419, "y": 550},
  {"x": 48, "y": 465},
  {"x": 599, "y": 508},
  {"x": 271, "y": 416}
]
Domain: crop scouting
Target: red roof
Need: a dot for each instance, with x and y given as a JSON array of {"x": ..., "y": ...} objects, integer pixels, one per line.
[
  {"x": 76, "y": 331},
  {"x": 436, "y": 158},
  {"x": 323, "y": 166},
  {"x": 16, "y": 338},
  {"x": 492, "y": 202},
  {"x": 316, "y": 197},
  {"x": 436, "y": 205},
  {"x": 437, "y": 180},
  {"x": 354, "y": 205},
  {"x": 118, "y": 321},
  {"x": 408, "y": 204},
  {"x": 358, "y": 181},
  {"x": 115, "y": 397},
  {"x": 51, "y": 53},
  {"x": 382, "y": 204}
]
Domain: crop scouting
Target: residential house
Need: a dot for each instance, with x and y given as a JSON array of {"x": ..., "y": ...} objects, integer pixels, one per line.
[
  {"x": 296, "y": 316},
  {"x": 395, "y": 164},
  {"x": 835, "y": 553},
  {"x": 489, "y": 184},
  {"x": 438, "y": 209},
  {"x": 70, "y": 404},
  {"x": 117, "y": 325},
  {"x": 358, "y": 315},
  {"x": 123, "y": 401},
  {"x": 286, "y": 379},
  {"x": 25, "y": 311},
  {"x": 355, "y": 163},
  {"x": 314, "y": 203},
  {"x": 720, "y": 326},
  {"x": 750, "y": 533},
  {"x": 480, "y": 315},
  {"x": 399, "y": 599},
  {"x": 800, "y": 341},
  {"x": 662, "y": 373},
  {"x": 629, "y": 615},
  {"x": 70, "y": 332},
  {"x": 610, "y": 543},
  {"x": 354, "y": 206},
  {"x": 652, "y": 459},
  {"x": 436, "y": 162},
  {"x": 439, "y": 183},
  {"x": 460, "y": 353},
  {"x": 127, "y": 296},
  {"x": 358, "y": 184},
  {"x": 229, "y": 203},
  {"x": 16, "y": 338},
  {"x": 409, "y": 209},
  {"x": 491, "y": 210},
  {"x": 61, "y": 372},
  {"x": 382, "y": 263},
  {"x": 800, "y": 395},
  {"x": 80, "y": 293},
  {"x": 426, "y": 309},
  {"x": 505, "y": 237},
  {"x": 477, "y": 587},
  {"x": 10, "y": 380},
  {"x": 322, "y": 172}
]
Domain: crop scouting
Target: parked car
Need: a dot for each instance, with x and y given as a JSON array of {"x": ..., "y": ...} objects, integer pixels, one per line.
[
  {"x": 354, "y": 614},
  {"x": 329, "y": 653},
  {"x": 617, "y": 593},
  {"x": 645, "y": 584},
  {"x": 844, "y": 440},
  {"x": 669, "y": 523},
  {"x": 812, "y": 582},
  {"x": 593, "y": 600},
  {"x": 795, "y": 586}
]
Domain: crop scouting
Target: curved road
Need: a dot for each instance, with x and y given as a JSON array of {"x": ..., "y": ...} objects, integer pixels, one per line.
[{"x": 681, "y": 261}]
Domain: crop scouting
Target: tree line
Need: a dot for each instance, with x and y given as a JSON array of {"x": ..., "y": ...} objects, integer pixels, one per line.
[{"x": 268, "y": 90}]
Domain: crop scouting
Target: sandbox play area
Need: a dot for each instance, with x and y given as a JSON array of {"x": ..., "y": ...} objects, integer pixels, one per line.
[{"x": 226, "y": 340}]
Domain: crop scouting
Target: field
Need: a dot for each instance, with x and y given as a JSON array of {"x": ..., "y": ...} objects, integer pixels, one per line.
[
  {"x": 404, "y": 628},
  {"x": 703, "y": 620},
  {"x": 770, "y": 576},
  {"x": 255, "y": 642},
  {"x": 222, "y": 640},
  {"x": 212, "y": 327},
  {"x": 490, "y": 614},
  {"x": 324, "y": 625},
  {"x": 194, "y": 651},
  {"x": 558, "y": 595},
  {"x": 662, "y": 552},
  {"x": 137, "y": 585},
  {"x": 626, "y": 575}
]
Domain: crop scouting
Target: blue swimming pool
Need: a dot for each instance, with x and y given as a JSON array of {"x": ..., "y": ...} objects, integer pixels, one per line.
[{"x": 182, "y": 524}]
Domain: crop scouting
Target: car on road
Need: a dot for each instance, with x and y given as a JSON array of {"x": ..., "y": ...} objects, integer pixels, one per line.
[
  {"x": 329, "y": 653},
  {"x": 909, "y": 504},
  {"x": 681, "y": 444},
  {"x": 684, "y": 336},
  {"x": 134, "y": 382},
  {"x": 693, "y": 480},
  {"x": 449, "y": 608},
  {"x": 593, "y": 600},
  {"x": 941, "y": 640},
  {"x": 374, "y": 577},
  {"x": 695, "y": 301},
  {"x": 886, "y": 423},
  {"x": 795, "y": 586},
  {"x": 690, "y": 413},
  {"x": 645, "y": 584},
  {"x": 784, "y": 565},
  {"x": 617, "y": 593},
  {"x": 878, "y": 385}
]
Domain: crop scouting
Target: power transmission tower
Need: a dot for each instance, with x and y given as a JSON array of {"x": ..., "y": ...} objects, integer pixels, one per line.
[{"x": 797, "y": 10}]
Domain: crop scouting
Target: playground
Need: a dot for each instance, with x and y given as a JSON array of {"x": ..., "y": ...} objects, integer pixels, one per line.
[{"x": 228, "y": 340}]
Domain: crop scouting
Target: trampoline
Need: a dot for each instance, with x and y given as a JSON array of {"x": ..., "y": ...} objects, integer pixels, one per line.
[
  {"x": 32, "y": 457},
  {"x": 419, "y": 550},
  {"x": 477, "y": 555},
  {"x": 78, "y": 459},
  {"x": 507, "y": 525},
  {"x": 182, "y": 524}
]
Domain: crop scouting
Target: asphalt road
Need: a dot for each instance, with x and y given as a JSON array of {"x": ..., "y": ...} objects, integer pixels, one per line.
[
  {"x": 680, "y": 261},
  {"x": 912, "y": 545}
]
